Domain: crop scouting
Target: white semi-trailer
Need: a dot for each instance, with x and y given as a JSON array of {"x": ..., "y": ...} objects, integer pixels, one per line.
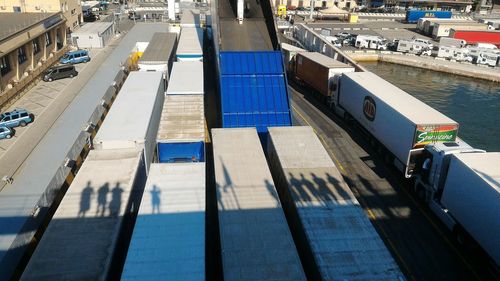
[
  {"x": 462, "y": 187},
  {"x": 393, "y": 118}
]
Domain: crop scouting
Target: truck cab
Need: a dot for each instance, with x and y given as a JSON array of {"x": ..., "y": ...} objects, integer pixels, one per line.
[{"x": 429, "y": 184}]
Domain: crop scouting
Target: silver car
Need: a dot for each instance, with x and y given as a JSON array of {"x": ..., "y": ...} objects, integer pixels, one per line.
[{"x": 6, "y": 133}]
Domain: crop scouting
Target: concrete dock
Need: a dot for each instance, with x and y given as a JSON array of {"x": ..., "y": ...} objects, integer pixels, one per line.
[{"x": 441, "y": 65}]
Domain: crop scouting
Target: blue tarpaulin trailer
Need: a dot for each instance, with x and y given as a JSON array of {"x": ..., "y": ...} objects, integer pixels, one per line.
[{"x": 413, "y": 16}]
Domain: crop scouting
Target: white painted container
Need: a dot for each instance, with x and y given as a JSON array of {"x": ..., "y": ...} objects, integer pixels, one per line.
[
  {"x": 256, "y": 243},
  {"x": 186, "y": 78},
  {"x": 168, "y": 242},
  {"x": 190, "y": 46},
  {"x": 325, "y": 217},
  {"x": 84, "y": 233},
  {"x": 93, "y": 35},
  {"x": 159, "y": 55},
  {"x": 134, "y": 116}
]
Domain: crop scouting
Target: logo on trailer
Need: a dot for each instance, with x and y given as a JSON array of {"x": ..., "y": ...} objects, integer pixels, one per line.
[{"x": 369, "y": 108}]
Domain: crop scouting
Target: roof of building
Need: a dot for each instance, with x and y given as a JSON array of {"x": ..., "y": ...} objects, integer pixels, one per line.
[
  {"x": 94, "y": 27},
  {"x": 13, "y": 23}
]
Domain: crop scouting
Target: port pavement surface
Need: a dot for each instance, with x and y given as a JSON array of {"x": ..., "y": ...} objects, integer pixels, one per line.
[{"x": 420, "y": 243}]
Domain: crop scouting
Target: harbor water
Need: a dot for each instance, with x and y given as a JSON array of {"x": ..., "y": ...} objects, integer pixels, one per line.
[{"x": 473, "y": 103}]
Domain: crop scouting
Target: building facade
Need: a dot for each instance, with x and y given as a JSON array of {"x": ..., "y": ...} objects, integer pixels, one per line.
[
  {"x": 29, "y": 44},
  {"x": 71, "y": 9}
]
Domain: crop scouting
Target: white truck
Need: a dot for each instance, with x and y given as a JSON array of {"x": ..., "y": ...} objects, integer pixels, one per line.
[
  {"x": 370, "y": 42},
  {"x": 396, "y": 122},
  {"x": 462, "y": 187}
]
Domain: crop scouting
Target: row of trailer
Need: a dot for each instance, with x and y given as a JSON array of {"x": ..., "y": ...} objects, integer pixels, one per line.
[{"x": 459, "y": 183}]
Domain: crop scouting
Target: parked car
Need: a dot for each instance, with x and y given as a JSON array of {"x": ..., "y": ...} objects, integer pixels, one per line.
[
  {"x": 60, "y": 72},
  {"x": 75, "y": 57},
  {"x": 90, "y": 17},
  {"x": 16, "y": 118},
  {"x": 6, "y": 133}
]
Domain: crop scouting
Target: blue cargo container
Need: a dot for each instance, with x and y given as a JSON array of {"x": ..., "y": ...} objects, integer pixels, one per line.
[
  {"x": 253, "y": 90},
  {"x": 413, "y": 16}
]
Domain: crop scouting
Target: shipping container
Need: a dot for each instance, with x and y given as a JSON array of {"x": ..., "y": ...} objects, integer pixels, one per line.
[
  {"x": 399, "y": 121},
  {"x": 471, "y": 195},
  {"x": 190, "y": 46},
  {"x": 87, "y": 236},
  {"x": 93, "y": 35},
  {"x": 318, "y": 70},
  {"x": 256, "y": 243},
  {"x": 181, "y": 134},
  {"x": 412, "y": 16},
  {"x": 477, "y": 36},
  {"x": 428, "y": 24},
  {"x": 190, "y": 18},
  {"x": 289, "y": 52},
  {"x": 442, "y": 29},
  {"x": 135, "y": 115},
  {"x": 186, "y": 79},
  {"x": 326, "y": 219},
  {"x": 253, "y": 90},
  {"x": 168, "y": 241},
  {"x": 159, "y": 55}
]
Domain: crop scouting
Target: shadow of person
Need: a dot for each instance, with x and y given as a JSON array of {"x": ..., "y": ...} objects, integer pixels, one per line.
[
  {"x": 116, "y": 200},
  {"x": 324, "y": 193},
  {"x": 298, "y": 188},
  {"x": 339, "y": 187},
  {"x": 102, "y": 199},
  {"x": 155, "y": 199},
  {"x": 85, "y": 198}
]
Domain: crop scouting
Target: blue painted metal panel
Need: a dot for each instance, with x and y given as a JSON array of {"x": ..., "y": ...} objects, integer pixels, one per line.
[
  {"x": 253, "y": 90},
  {"x": 248, "y": 63},
  {"x": 415, "y": 15},
  {"x": 176, "y": 152}
]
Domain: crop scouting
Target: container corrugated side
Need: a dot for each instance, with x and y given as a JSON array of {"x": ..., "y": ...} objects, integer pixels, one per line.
[
  {"x": 92, "y": 220},
  {"x": 326, "y": 219},
  {"x": 168, "y": 241},
  {"x": 472, "y": 196},
  {"x": 256, "y": 243},
  {"x": 253, "y": 90}
]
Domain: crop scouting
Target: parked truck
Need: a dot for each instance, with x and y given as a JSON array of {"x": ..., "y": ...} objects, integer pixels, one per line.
[
  {"x": 442, "y": 29},
  {"x": 396, "y": 121},
  {"x": 477, "y": 36},
  {"x": 317, "y": 71},
  {"x": 462, "y": 187},
  {"x": 412, "y": 16}
]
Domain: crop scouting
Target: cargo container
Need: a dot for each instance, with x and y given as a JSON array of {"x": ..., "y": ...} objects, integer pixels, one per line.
[
  {"x": 412, "y": 16},
  {"x": 477, "y": 36},
  {"x": 442, "y": 29},
  {"x": 428, "y": 24},
  {"x": 190, "y": 46},
  {"x": 397, "y": 120},
  {"x": 253, "y": 90},
  {"x": 289, "y": 52},
  {"x": 159, "y": 55},
  {"x": 256, "y": 243},
  {"x": 168, "y": 241},
  {"x": 461, "y": 185},
  {"x": 87, "y": 236},
  {"x": 181, "y": 134},
  {"x": 135, "y": 115},
  {"x": 318, "y": 70},
  {"x": 186, "y": 78},
  {"x": 190, "y": 18},
  {"x": 324, "y": 215}
]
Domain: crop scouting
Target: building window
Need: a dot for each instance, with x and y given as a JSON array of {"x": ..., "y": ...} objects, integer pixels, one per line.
[
  {"x": 17, "y": 9},
  {"x": 21, "y": 55},
  {"x": 36, "y": 46},
  {"x": 47, "y": 39},
  {"x": 4, "y": 65}
]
